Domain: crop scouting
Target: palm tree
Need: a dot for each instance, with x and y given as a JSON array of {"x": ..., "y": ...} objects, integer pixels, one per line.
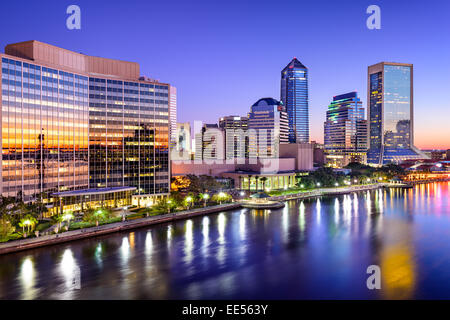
[
  {"x": 28, "y": 222},
  {"x": 263, "y": 180},
  {"x": 249, "y": 182},
  {"x": 57, "y": 219}
]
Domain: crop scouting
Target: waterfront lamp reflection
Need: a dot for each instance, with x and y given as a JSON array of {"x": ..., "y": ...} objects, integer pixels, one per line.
[
  {"x": 27, "y": 279},
  {"x": 70, "y": 273},
  {"x": 242, "y": 224},
  {"x": 189, "y": 240}
]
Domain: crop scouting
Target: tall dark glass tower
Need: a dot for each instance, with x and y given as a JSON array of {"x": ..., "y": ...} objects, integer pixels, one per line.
[
  {"x": 391, "y": 114},
  {"x": 294, "y": 95}
]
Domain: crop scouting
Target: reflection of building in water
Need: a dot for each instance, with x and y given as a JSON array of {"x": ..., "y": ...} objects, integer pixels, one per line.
[{"x": 398, "y": 270}]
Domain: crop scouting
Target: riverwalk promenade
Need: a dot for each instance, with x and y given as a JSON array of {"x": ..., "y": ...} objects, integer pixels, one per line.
[
  {"x": 30, "y": 243},
  {"x": 24, "y": 244}
]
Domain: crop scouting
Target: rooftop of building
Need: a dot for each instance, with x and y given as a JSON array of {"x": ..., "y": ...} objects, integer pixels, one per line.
[
  {"x": 349, "y": 95},
  {"x": 295, "y": 64},
  {"x": 267, "y": 102}
]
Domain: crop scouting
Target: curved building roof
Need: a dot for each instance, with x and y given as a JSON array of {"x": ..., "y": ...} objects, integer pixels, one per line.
[{"x": 267, "y": 101}]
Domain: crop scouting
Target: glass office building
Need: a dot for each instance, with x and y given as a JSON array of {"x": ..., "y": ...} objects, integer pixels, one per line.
[
  {"x": 129, "y": 135},
  {"x": 267, "y": 128},
  {"x": 44, "y": 129},
  {"x": 76, "y": 122},
  {"x": 294, "y": 95},
  {"x": 345, "y": 131},
  {"x": 391, "y": 114}
]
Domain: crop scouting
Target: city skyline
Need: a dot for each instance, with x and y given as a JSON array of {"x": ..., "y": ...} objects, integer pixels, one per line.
[{"x": 211, "y": 34}]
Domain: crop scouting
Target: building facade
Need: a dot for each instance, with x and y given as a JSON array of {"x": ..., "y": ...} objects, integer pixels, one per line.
[
  {"x": 268, "y": 127},
  {"x": 182, "y": 149},
  {"x": 345, "y": 131},
  {"x": 76, "y": 122},
  {"x": 236, "y": 136},
  {"x": 294, "y": 95},
  {"x": 390, "y": 114},
  {"x": 173, "y": 115},
  {"x": 210, "y": 143}
]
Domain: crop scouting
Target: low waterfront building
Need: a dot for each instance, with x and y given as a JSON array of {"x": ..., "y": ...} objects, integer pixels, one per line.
[
  {"x": 303, "y": 153},
  {"x": 319, "y": 154}
]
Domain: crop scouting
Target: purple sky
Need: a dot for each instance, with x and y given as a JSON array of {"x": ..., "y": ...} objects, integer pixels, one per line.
[{"x": 224, "y": 55}]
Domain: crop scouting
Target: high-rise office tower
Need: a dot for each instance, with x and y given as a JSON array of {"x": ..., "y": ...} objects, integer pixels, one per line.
[
  {"x": 268, "y": 127},
  {"x": 173, "y": 115},
  {"x": 236, "y": 136},
  {"x": 210, "y": 143},
  {"x": 390, "y": 113},
  {"x": 81, "y": 128},
  {"x": 345, "y": 131},
  {"x": 182, "y": 150},
  {"x": 294, "y": 95}
]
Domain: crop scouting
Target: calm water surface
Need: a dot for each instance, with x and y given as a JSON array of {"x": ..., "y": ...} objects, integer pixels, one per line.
[{"x": 312, "y": 249}]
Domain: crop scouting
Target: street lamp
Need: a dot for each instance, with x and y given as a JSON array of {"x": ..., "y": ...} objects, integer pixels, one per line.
[
  {"x": 189, "y": 200},
  {"x": 221, "y": 195},
  {"x": 168, "y": 205},
  {"x": 336, "y": 184},
  {"x": 205, "y": 198},
  {"x": 318, "y": 184},
  {"x": 302, "y": 186},
  {"x": 67, "y": 217}
]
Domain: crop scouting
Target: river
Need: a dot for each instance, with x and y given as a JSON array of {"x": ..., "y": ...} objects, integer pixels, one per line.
[{"x": 311, "y": 249}]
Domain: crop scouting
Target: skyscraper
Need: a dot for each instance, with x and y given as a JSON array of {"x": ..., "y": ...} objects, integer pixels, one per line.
[
  {"x": 345, "y": 131},
  {"x": 173, "y": 116},
  {"x": 294, "y": 95},
  {"x": 210, "y": 143},
  {"x": 236, "y": 136},
  {"x": 390, "y": 113},
  {"x": 268, "y": 127},
  {"x": 81, "y": 127},
  {"x": 182, "y": 149}
]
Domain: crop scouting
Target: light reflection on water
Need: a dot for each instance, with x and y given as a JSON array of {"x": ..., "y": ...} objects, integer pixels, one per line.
[{"x": 314, "y": 248}]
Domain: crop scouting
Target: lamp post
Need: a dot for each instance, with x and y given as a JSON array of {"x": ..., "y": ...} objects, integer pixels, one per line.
[
  {"x": 205, "y": 198},
  {"x": 168, "y": 205},
  {"x": 221, "y": 195},
  {"x": 67, "y": 217},
  {"x": 188, "y": 201}
]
